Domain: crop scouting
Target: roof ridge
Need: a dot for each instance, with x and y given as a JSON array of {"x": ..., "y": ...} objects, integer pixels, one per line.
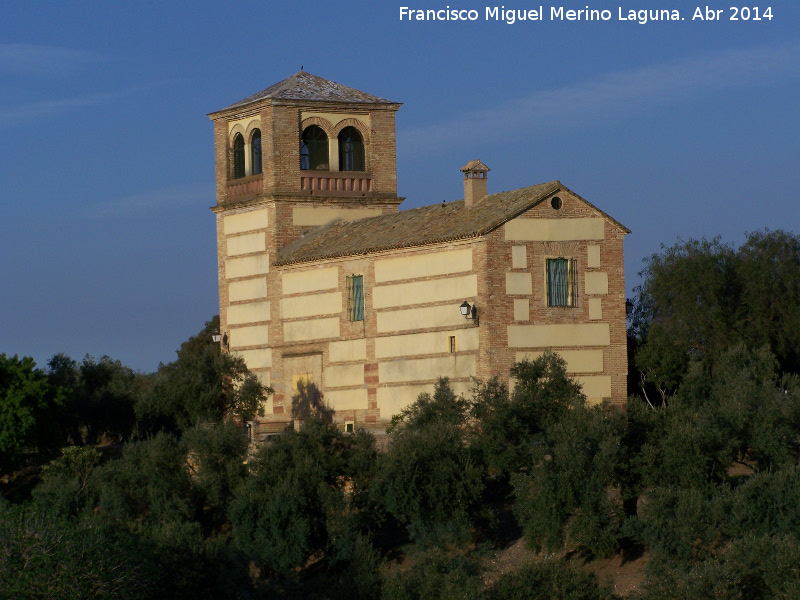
[{"x": 303, "y": 85}]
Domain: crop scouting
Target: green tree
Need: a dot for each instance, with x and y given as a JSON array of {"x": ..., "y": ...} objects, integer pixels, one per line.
[
  {"x": 435, "y": 575},
  {"x": 430, "y": 479},
  {"x": 101, "y": 395},
  {"x": 510, "y": 427},
  {"x": 294, "y": 502},
  {"x": 546, "y": 580},
  {"x": 29, "y": 406},
  {"x": 686, "y": 308},
  {"x": 698, "y": 298},
  {"x": 204, "y": 385},
  {"x": 65, "y": 489}
]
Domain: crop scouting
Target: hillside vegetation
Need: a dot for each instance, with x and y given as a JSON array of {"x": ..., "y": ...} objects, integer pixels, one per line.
[{"x": 148, "y": 488}]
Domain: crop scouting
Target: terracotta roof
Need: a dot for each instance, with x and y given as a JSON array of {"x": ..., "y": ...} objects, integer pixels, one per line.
[
  {"x": 305, "y": 86},
  {"x": 475, "y": 165},
  {"x": 414, "y": 227}
]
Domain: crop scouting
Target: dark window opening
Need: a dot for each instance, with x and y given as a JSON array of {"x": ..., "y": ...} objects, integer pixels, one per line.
[
  {"x": 562, "y": 282},
  {"x": 351, "y": 150},
  {"x": 238, "y": 156},
  {"x": 255, "y": 151},
  {"x": 314, "y": 149}
]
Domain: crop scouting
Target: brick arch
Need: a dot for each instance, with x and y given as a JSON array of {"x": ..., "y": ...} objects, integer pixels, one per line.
[
  {"x": 326, "y": 125},
  {"x": 232, "y": 134},
  {"x": 252, "y": 125},
  {"x": 351, "y": 122}
]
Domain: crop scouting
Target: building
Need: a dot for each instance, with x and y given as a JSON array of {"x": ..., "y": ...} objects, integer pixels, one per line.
[{"x": 323, "y": 280}]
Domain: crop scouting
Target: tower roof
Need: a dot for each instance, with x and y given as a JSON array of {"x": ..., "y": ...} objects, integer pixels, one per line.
[
  {"x": 305, "y": 86},
  {"x": 476, "y": 166}
]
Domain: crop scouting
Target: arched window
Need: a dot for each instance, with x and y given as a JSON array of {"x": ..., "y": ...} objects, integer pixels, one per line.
[
  {"x": 314, "y": 149},
  {"x": 255, "y": 151},
  {"x": 351, "y": 150},
  {"x": 238, "y": 156}
]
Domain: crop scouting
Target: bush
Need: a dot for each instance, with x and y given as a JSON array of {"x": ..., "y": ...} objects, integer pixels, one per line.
[
  {"x": 434, "y": 575},
  {"x": 548, "y": 580},
  {"x": 683, "y": 524},
  {"x": 294, "y": 504},
  {"x": 49, "y": 557},
  {"x": 753, "y": 567},
  {"x": 65, "y": 487},
  {"x": 565, "y": 495},
  {"x": 431, "y": 483}
]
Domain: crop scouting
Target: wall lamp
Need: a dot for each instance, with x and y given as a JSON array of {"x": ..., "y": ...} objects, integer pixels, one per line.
[
  {"x": 217, "y": 338},
  {"x": 469, "y": 312}
]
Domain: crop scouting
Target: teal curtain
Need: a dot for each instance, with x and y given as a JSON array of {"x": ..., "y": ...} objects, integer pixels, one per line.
[
  {"x": 558, "y": 282},
  {"x": 358, "y": 298}
]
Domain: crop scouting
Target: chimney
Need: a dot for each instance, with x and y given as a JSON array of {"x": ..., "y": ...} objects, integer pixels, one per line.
[{"x": 474, "y": 182}]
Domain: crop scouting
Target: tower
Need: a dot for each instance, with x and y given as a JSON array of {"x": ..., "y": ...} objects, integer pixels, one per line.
[{"x": 297, "y": 155}]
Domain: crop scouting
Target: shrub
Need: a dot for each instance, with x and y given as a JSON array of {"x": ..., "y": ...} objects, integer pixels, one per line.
[
  {"x": 547, "y": 580},
  {"x": 434, "y": 575}
]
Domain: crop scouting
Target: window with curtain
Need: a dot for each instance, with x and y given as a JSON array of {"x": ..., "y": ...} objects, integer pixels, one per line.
[
  {"x": 355, "y": 297},
  {"x": 255, "y": 151},
  {"x": 314, "y": 149},
  {"x": 351, "y": 150},
  {"x": 238, "y": 156},
  {"x": 561, "y": 282}
]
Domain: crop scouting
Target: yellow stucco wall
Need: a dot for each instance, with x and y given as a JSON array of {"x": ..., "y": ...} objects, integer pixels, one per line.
[
  {"x": 303, "y": 216},
  {"x": 257, "y": 335},
  {"x": 247, "y": 243},
  {"x": 593, "y": 256},
  {"x": 346, "y": 351},
  {"x": 343, "y": 376},
  {"x": 423, "y": 265},
  {"x": 596, "y": 283},
  {"x": 425, "y": 343},
  {"x": 595, "y": 309},
  {"x": 522, "y": 309},
  {"x": 245, "y": 266},
  {"x": 340, "y": 400},
  {"x": 595, "y": 387},
  {"x": 554, "y": 230},
  {"x": 311, "y": 329},
  {"x": 311, "y": 305},
  {"x": 252, "y": 312},
  {"x": 578, "y": 361},
  {"x": 519, "y": 257},
  {"x": 420, "y": 369},
  {"x": 247, "y": 289},
  {"x": 419, "y": 318},
  {"x": 419, "y": 292},
  {"x": 519, "y": 283},
  {"x": 249, "y": 221},
  {"x": 393, "y": 399},
  {"x": 299, "y": 282},
  {"x": 543, "y": 336},
  {"x": 255, "y": 359},
  {"x": 335, "y": 118}
]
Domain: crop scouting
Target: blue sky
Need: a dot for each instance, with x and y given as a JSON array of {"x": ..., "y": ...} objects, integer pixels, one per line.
[{"x": 678, "y": 129}]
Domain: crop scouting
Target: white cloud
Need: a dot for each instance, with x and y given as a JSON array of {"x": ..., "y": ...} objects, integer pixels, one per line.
[
  {"x": 44, "y": 109},
  {"x": 154, "y": 200},
  {"x": 47, "y": 108},
  {"x": 36, "y": 60},
  {"x": 613, "y": 95}
]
